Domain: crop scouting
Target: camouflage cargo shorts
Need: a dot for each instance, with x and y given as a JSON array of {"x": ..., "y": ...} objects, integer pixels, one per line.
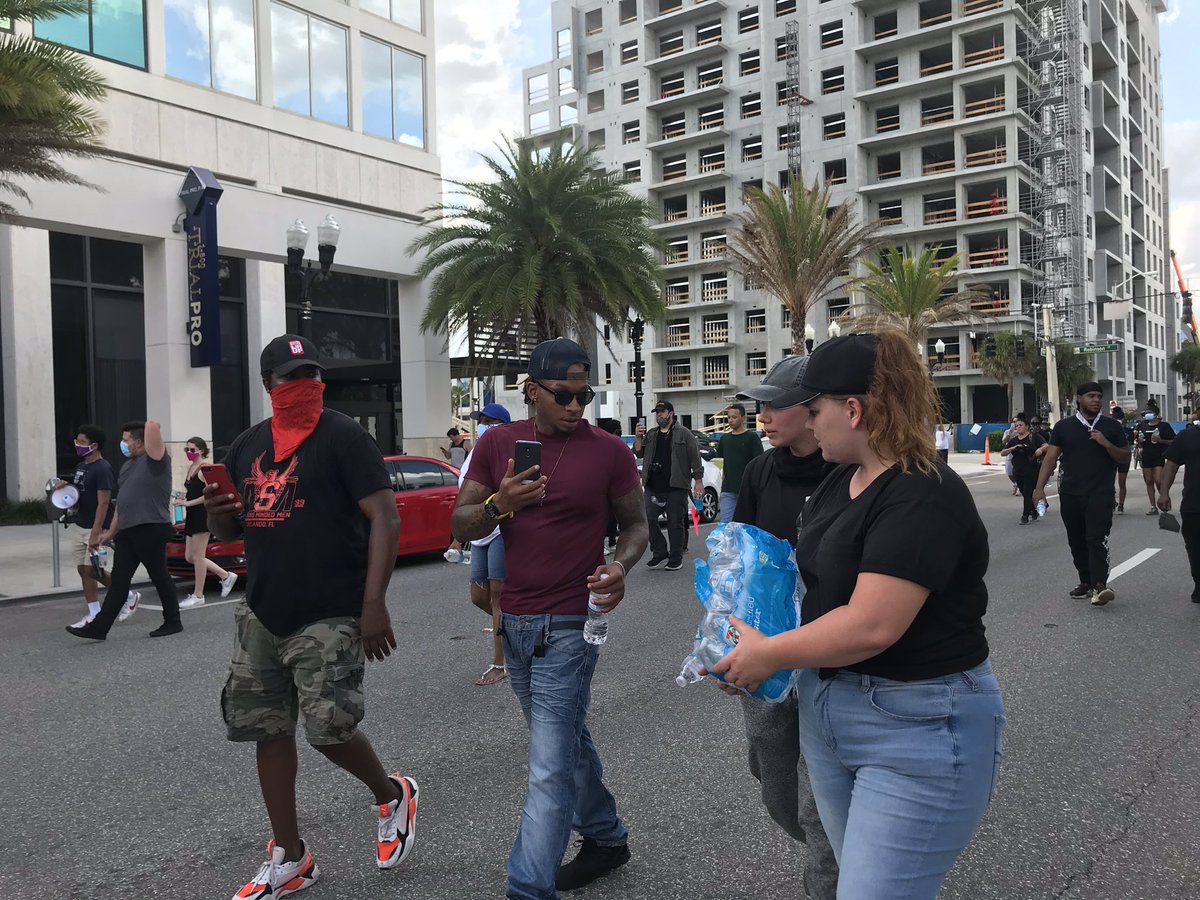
[{"x": 318, "y": 670}]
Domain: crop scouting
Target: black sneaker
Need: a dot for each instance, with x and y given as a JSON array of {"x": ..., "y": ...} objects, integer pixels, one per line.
[
  {"x": 1024, "y": 520},
  {"x": 1196, "y": 596},
  {"x": 590, "y": 863},
  {"x": 89, "y": 632},
  {"x": 167, "y": 628},
  {"x": 674, "y": 565},
  {"x": 655, "y": 562},
  {"x": 1080, "y": 591}
]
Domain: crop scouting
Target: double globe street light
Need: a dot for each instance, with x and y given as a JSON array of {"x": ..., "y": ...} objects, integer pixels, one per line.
[
  {"x": 810, "y": 334},
  {"x": 328, "y": 233}
]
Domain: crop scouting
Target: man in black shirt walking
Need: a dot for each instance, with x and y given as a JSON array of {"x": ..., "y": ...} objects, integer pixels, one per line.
[
  {"x": 318, "y": 515},
  {"x": 1184, "y": 450},
  {"x": 774, "y": 488},
  {"x": 1091, "y": 447}
]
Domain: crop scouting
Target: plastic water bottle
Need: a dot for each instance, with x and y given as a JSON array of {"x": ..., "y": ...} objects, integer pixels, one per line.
[
  {"x": 102, "y": 556},
  {"x": 1042, "y": 507},
  {"x": 595, "y": 629},
  {"x": 453, "y": 555},
  {"x": 690, "y": 673}
]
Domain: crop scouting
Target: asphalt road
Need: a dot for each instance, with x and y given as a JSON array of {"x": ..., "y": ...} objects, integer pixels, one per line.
[{"x": 118, "y": 783}]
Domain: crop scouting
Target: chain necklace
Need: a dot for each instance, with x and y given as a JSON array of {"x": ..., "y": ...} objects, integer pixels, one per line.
[{"x": 546, "y": 490}]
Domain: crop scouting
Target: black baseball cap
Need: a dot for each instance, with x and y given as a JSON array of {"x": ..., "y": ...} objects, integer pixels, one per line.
[
  {"x": 287, "y": 353},
  {"x": 1089, "y": 387},
  {"x": 781, "y": 388},
  {"x": 664, "y": 405},
  {"x": 843, "y": 366},
  {"x": 551, "y": 359}
]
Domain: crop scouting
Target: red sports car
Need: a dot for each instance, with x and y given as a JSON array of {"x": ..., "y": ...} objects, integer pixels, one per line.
[{"x": 426, "y": 491}]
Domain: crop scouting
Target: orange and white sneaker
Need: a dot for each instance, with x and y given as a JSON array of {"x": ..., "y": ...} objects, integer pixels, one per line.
[
  {"x": 277, "y": 878},
  {"x": 397, "y": 824}
]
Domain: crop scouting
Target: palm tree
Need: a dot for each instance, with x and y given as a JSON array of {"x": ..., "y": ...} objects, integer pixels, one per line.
[
  {"x": 1010, "y": 363},
  {"x": 551, "y": 244},
  {"x": 1073, "y": 369},
  {"x": 45, "y": 96},
  {"x": 908, "y": 293},
  {"x": 795, "y": 246}
]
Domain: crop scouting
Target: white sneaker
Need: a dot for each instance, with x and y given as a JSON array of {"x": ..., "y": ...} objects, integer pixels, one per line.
[
  {"x": 191, "y": 601},
  {"x": 84, "y": 621},
  {"x": 397, "y": 824},
  {"x": 227, "y": 584},
  {"x": 277, "y": 878},
  {"x": 130, "y": 607}
]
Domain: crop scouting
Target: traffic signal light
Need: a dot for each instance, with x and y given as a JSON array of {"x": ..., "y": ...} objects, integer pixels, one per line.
[
  {"x": 989, "y": 346},
  {"x": 1019, "y": 347},
  {"x": 1187, "y": 308}
]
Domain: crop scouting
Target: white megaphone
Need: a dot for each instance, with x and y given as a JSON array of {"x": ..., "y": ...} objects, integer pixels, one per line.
[{"x": 64, "y": 497}]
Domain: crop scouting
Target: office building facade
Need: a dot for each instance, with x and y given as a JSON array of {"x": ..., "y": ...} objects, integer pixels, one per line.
[{"x": 301, "y": 110}]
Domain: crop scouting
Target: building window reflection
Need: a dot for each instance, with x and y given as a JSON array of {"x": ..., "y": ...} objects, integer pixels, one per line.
[
  {"x": 308, "y": 65},
  {"x": 393, "y": 93},
  {"x": 112, "y": 29},
  {"x": 402, "y": 12},
  {"x": 211, "y": 43},
  {"x": 230, "y": 395}
]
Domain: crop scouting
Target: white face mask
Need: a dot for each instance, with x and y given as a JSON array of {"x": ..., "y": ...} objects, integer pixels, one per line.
[{"x": 480, "y": 429}]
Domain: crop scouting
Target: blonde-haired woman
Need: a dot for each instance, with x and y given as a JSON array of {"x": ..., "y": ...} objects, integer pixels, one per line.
[
  {"x": 195, "y": 528},
  {"x": 900, "y": 715}
]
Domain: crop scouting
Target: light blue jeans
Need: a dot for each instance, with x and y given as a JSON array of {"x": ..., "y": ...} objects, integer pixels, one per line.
[
  {"x": 725, "y": 513},
  {"x": 566, "y": 781},
  {"x": 902, "y": 773}
]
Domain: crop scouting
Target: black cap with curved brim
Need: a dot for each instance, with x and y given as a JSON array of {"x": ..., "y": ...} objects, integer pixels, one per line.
[
  {"x": 550, "y": 360},
  {"x": 287, "y": 353},
  {"x": 781, "y": 388},
  {"x": 843, "y": 367}
]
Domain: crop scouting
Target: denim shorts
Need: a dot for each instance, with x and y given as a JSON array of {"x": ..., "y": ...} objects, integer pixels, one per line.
[{"x": 487, "y": 562}]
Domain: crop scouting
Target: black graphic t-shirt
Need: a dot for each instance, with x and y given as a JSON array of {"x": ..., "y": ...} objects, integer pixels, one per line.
[
  {"x": 306, "y": 538},
  {"x": 89, "y": 479},
  {"x": 1025, "y": 463},
  {"x": 1153, "y": 454}
]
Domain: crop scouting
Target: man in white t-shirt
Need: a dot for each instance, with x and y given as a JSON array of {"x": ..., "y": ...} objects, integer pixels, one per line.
[
  {"x": 487, "y": 556},
  {"x": 941, "y": 438}
]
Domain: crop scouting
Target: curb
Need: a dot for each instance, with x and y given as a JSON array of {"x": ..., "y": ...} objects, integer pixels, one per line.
[{"x": 65, "y": 593}]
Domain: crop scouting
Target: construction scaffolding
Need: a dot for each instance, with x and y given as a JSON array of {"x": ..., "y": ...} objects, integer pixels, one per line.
[
  {"x": 795, "y": 96},
  {"x": 1055, "y": 158}
]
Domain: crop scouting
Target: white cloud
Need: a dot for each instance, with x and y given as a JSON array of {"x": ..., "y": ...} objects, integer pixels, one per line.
[
  {"x": 480, "y": 48},
  {"x": 1172, "y": 14},
  {"x": 1185, "y": 240},
  {"x": 1181, "y": 140}
]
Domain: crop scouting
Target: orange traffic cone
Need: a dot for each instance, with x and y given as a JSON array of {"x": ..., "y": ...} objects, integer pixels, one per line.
[{"x": 987, "y": 452}]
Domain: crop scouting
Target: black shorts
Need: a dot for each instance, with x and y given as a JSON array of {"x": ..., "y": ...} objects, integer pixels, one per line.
[{"x": 1122, "y": 468}]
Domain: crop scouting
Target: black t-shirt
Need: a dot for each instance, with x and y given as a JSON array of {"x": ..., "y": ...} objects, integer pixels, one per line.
[
  {"x": 1086, "y": 466},
  {"x": 1185, "y": 451},
  {"x": 90, "y": 478},
  {"x": 660, "y": 474},
  {"x": 914, "y": 527},
  {"x": 306, "y": 538},
  {"x": 774, "y": 488},
  {"x": 1153, "y": 454},
  {"x": 1023, "y": 450}
]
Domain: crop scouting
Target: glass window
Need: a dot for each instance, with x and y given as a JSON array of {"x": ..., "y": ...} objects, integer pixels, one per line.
[
  {"x": 211, "y": 42},
  {"x": 308, "y": 62},
  {"x": 115, "y": 29},
  {"x": 403, "y": 12},
  {"x": 419, "y": 475}
]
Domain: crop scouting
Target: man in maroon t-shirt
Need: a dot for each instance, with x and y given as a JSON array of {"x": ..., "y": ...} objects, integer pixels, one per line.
[{"x": 553, "y": 518}]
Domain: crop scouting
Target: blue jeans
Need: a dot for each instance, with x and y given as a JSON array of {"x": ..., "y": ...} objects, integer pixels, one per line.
[
  {"x": 902, "y": 773},
  {"x": 728, "y": 502},
  {"x": 566, "y": 786},
  {"x": 487, "y": 561}
]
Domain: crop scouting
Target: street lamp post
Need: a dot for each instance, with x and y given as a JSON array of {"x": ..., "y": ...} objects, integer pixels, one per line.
[
  {"x": 637, "y": 330},
  {"x": 835, "y": 330},
  {"x": 939, "y": 347},
  {"x": 328, "y": 233},
  {"x": 810, "y": 336}
]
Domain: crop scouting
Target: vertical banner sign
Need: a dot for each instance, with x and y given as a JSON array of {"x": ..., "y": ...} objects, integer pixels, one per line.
[{"x": 200, "y": 193}]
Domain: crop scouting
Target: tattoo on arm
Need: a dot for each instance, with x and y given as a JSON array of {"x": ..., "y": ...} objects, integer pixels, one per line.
[
  {"x": 630, "y": 510},
  {"x": 469, "y": 521}
]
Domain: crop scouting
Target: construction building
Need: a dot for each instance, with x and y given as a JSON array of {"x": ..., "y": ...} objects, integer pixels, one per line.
[{"x": 1025, "y": 135}]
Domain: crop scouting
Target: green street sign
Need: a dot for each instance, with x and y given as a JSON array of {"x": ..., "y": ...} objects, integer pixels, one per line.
[{"x": 1098, "y": 348}]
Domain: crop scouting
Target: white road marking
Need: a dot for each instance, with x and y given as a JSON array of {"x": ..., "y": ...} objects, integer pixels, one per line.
[
  {"x": 205, "y": 606},
  {"x": 1136, "y": 560}
]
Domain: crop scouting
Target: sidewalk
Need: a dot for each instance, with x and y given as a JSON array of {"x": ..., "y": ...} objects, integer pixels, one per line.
[{"x": 27, "y": 564}]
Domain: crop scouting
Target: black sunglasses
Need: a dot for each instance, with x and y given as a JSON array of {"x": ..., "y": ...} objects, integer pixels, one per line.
[{"x": 564, "y": 398}]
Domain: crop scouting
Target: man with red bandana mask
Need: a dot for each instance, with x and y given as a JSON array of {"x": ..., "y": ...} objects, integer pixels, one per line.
[{"x": 317, "y": 512}]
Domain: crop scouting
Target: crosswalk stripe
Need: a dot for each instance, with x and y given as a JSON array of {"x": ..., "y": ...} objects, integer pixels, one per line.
[{"x": 1136, "y": 560}]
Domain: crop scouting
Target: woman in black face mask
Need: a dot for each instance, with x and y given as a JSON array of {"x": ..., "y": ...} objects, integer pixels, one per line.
[{"x": 195, "y": 528}]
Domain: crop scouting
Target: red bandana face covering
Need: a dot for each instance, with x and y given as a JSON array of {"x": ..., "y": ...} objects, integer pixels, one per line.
[{"x": 296, "y": 407}]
